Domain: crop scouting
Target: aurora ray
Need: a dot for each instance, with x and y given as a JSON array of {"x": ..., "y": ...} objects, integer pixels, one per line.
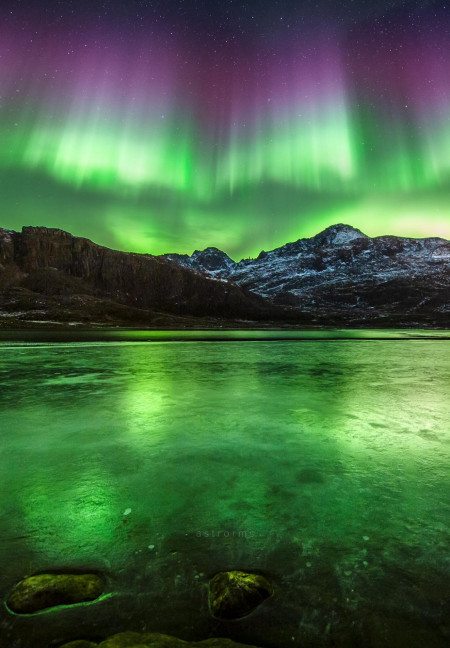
[{"x": 169, "y": 141}]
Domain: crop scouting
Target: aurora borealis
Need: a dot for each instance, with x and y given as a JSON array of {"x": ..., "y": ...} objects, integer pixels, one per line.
[{"x": 169, "y": 126}]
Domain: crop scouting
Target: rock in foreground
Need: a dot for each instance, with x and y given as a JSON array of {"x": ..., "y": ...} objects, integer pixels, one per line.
[
  {"x": 154, "y": 640},
  {"x": 80, "y": 643},
  {"x": 235, "y": 594},
  {"x": 50, "y": 590}
]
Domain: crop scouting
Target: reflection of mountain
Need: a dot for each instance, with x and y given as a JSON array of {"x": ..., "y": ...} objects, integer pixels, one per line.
[
  {"x": 48, "y": 274},
  {"x": 342, "y": 275},
  {"x": 339, "y": 277}
]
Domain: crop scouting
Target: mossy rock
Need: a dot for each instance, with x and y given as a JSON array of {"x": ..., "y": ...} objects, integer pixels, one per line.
[
  {"x": 221, "y": 643},
  {"x": 43, "y": 591},
  {"x": 147, "y": 640},
  {"x": 154, "y": 640},
  {"x": 80, "y": 643},
  {"x": 234, "y": 594}
]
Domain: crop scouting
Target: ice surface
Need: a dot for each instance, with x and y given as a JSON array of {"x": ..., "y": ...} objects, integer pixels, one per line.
[{"x": 303, "y": 459}]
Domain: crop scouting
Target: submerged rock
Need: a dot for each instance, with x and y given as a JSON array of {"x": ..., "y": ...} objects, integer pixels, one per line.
[
  {"x": 50, "y": 590},
  {"x": 138, "y": 640},
  {"x": 154, "y": 640},
  {"x": 221, "y": 643},
  {"x": 310, "y": 476},
  {"x": 235, "y": 594},
  {"x": 80, "y": 643}
]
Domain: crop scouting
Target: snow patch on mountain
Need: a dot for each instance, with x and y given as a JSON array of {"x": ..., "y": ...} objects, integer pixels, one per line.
[{"x": 339, "y": 266}]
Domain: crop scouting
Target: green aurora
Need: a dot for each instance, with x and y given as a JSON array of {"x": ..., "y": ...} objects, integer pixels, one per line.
[{"x": 123, "y": 145}]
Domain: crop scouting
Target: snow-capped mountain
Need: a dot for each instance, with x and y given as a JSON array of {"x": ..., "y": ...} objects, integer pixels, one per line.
[
  {"x": 211, "y": 261},
  {"x": 343, "y": 272}
]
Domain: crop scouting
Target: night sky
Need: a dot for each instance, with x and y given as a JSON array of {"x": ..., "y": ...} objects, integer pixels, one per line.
[{"x": 173, "y": 125}]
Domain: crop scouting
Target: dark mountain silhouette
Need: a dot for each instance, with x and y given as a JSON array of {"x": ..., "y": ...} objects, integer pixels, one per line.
[
  {"x": 340, "y": 277},
  {"x": 48, "y": 274}
]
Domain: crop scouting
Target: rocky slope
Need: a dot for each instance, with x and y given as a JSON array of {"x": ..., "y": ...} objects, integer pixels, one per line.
[
  {"x": 342, "y": 275},
  {"x": 48, "y": 274}
]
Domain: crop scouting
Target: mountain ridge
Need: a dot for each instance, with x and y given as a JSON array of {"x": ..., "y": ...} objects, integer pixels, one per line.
[
  {"x": 343, "y": 271},
  {"x": 338, "y": 227},
  {"x": 340, "y": 277}
]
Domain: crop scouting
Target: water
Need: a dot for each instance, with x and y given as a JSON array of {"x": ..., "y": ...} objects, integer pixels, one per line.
[{"x": 321, "y": 463}]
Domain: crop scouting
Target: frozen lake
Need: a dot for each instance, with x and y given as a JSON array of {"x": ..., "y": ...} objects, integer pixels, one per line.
[{"x": 321, "y": 463}]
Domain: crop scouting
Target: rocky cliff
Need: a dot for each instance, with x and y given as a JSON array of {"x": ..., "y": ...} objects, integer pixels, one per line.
[{"x": 48, "y": 274}]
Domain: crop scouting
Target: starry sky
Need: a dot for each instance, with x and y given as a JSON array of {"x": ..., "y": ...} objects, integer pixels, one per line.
[{"x": 174, "y": 125}]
